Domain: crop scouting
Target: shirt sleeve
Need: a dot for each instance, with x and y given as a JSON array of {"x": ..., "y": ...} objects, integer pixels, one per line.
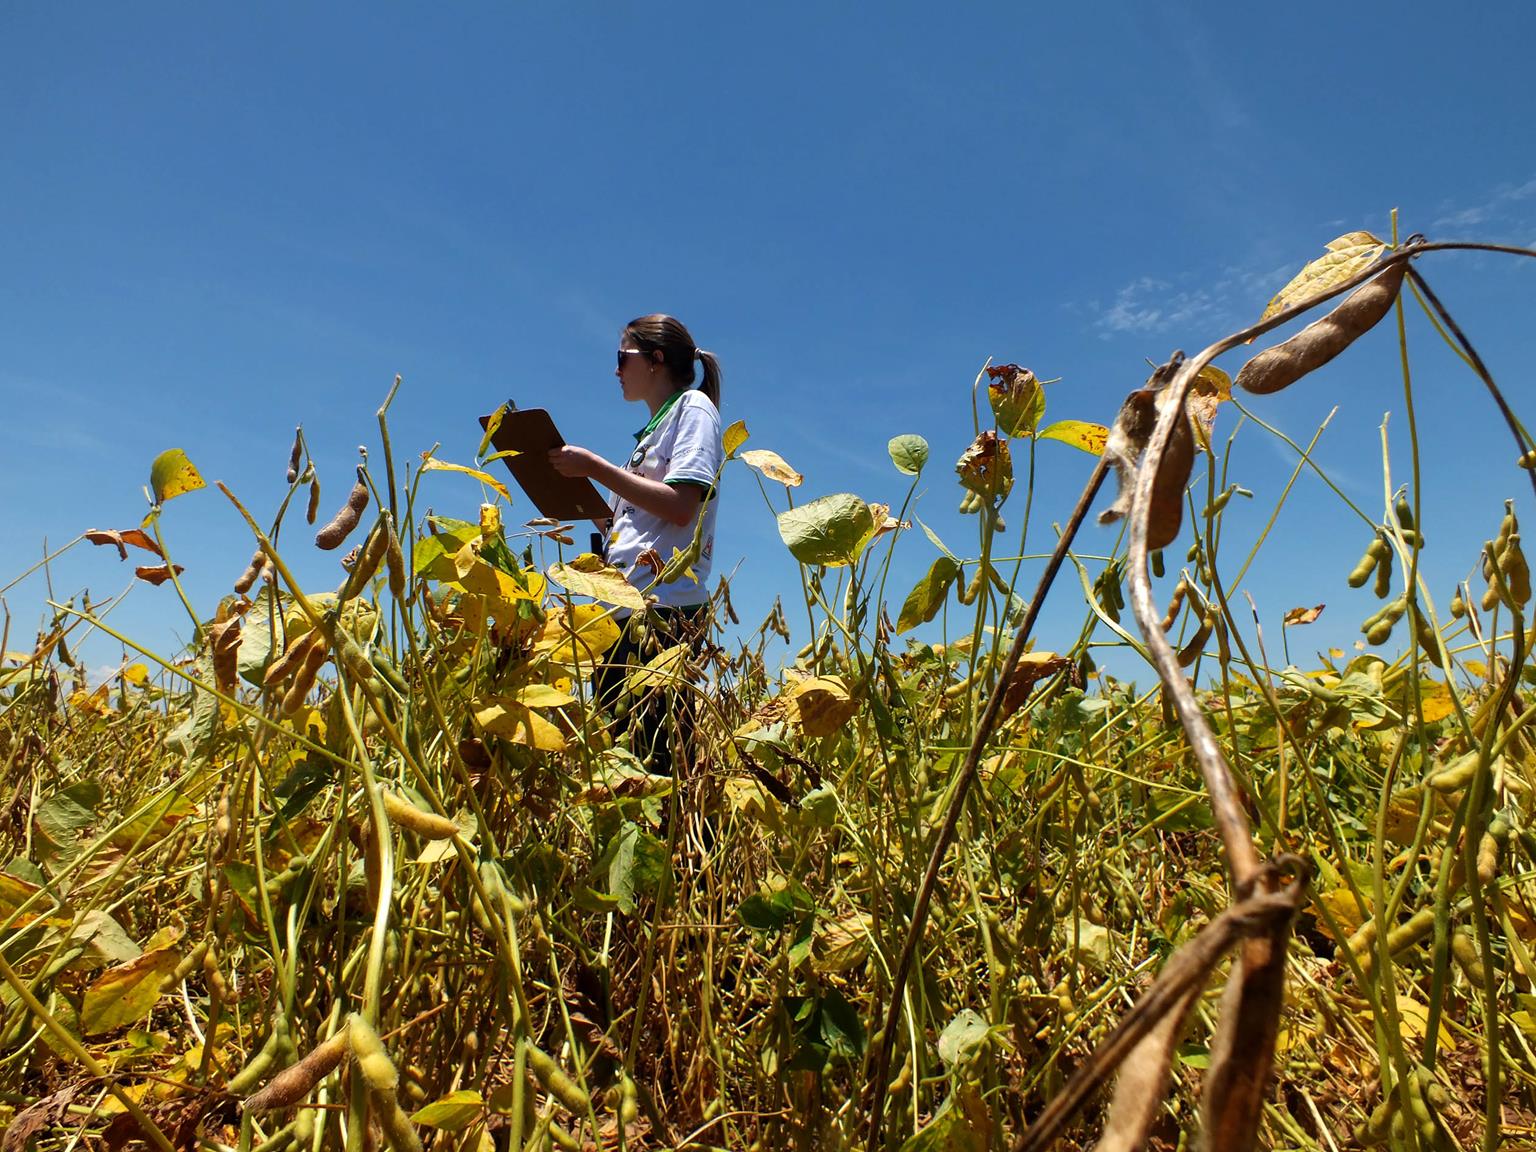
[{"x": 696, "y": 449}]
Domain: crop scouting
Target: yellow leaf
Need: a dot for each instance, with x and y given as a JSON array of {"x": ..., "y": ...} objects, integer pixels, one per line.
[
  {"x": 173, "y": 474},
  {"x": 505, "y": 717},
  {"x": 1477, "y": 668},
  {"x": 588, "y": 575},
  {"x": 452, "y": 1112},
  {"x": 127, "y": 992},
  {"x": 433, "y": 464},
  {"x": 659, "y": 670},
  {"x": 772, "y": 465},
  {"x": 1415, "y": 1020},
  {"x": 543, "y": 696},
  {"x": 136, "y": 673},
  {"x": 481, "y": 579},
  {"x": 490, "y": 522},
  {"x": 492, "y": 424},
  {"x": 14, "y": 892},
  {"x": 1211, "y": 389},
  {"x": 735, "y": 436},
  {"x": 1341, "y": 905},
  {"x": 1347, "y": 255},
  {"x": 821, "y": 705},
  {"x": 839, "y": 945},
  {"x": 580, "y": 634},
  {"x": 1435, "y": 700},
  {"x": 91, "y": 703},
  {"x": 1090, "y": 438}
]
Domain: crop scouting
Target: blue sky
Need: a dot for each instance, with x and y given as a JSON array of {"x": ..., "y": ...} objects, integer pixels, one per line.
[{"x": 221, "y": 221}]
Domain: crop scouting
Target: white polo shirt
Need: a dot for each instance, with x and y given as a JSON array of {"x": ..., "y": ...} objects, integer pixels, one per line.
[{"x": 681, "y": 445}]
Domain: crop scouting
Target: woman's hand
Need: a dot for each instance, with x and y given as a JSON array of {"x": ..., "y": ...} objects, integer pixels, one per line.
[{"x": 569, "y": 460}]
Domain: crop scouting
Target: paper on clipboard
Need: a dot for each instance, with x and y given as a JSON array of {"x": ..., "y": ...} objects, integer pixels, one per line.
[{"x": 531, "y": 433}]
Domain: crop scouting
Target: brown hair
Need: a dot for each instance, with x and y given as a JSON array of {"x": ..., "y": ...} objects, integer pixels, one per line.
[{"x": 666, "y": 334}]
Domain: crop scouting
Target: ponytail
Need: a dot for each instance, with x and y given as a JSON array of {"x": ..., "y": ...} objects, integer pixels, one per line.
[
  {"x": 710, "y": 385},
  {"x": 659, "y": 332}
]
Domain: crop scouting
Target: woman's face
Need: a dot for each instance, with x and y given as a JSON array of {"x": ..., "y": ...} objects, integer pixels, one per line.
[{"x": 636, "y": 371}]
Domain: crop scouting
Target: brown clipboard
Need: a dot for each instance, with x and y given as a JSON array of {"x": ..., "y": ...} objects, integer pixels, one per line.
[{"x": 531, "y": 433}]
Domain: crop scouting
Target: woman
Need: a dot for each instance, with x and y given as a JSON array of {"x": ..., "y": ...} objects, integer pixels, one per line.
[{"x": 660, "y": 497}]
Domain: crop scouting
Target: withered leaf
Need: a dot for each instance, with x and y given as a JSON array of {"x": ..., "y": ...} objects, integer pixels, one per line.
[
  {"x": 120, "y": 537},
  {"x": 225, "y": 641},
  {"x": 986, "y": 467},
  {"x": 1212, "y": 387},
  {"x": 1303, "y": 615},
  {"x": 157, "y": 574}
]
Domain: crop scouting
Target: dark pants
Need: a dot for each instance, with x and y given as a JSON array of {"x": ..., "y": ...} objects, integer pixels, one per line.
[{"x": 660, "y": 718}]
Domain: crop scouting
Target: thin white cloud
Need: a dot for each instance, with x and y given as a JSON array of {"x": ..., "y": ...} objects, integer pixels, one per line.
[
  {"x": 1508, "y": 205},
  {"x": 1151, "y": 305}
]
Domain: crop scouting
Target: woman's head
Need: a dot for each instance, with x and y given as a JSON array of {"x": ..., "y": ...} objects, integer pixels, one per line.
[{"x": 664, "y": 339}]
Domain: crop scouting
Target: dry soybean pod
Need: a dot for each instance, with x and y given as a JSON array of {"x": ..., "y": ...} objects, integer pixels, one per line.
[
  {"x": 1464, "y": 951},
  {"x": 1319, "y": 342},
  {"x": 341, "y": 525},
  {"x": 280, "y": 668},
  {"x": 394, "y": 559},
  {"x": 293, "y": 1084},
  {"x": 1383, "y": 586},
  {"x": 1191, "y": 651},
  {"x": 304, "y": 679},
  {"x": 427, "y": 825},
  {"x": 248, "y": 577},
  {"x": 293, "y": 456},
  {"x": 1180, "y": 590},
  {"x": 368, "y": 560},
  {"x": 313, "y": 508},
  {"x": 1517, "y": 573}
]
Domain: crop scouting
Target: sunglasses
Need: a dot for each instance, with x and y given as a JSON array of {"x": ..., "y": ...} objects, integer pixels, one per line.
[{"x": 623, "y": 352}]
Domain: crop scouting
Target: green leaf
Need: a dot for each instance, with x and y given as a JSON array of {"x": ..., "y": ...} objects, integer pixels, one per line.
[
  {"x": 950, "y": 1130},
  {"x": 766, "y": 911},
  {"x": 925, "y": 600},
  {"x": 820, "y": 804},
  {"x": 909, "y": 453},
  {"x": 173, "y": 474},
  {"x": 933, "y": 538},
  {"x": 1091, "y": 438},
  {"x": 962, "y": 1037},
  {"x": 61, "y": 819},
  {"x": 633, "y": 862},
  {"x": 451, "y": 1113},
  {"x": 256, "y": 630},
  {"x": 841, "y": 1029},
  {"x": 190, "y": 736},
  {"x": 826, "y": 531}
]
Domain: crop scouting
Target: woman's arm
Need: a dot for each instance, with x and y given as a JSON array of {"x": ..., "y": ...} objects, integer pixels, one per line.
[{"x": 676, "y": 504}]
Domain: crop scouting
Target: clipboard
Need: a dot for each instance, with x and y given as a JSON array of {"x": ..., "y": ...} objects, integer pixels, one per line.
[{"x": 532, "y": 433}]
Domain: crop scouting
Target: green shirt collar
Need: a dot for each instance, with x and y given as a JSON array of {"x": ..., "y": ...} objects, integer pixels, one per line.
[{"x": 666, "y": 406}]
